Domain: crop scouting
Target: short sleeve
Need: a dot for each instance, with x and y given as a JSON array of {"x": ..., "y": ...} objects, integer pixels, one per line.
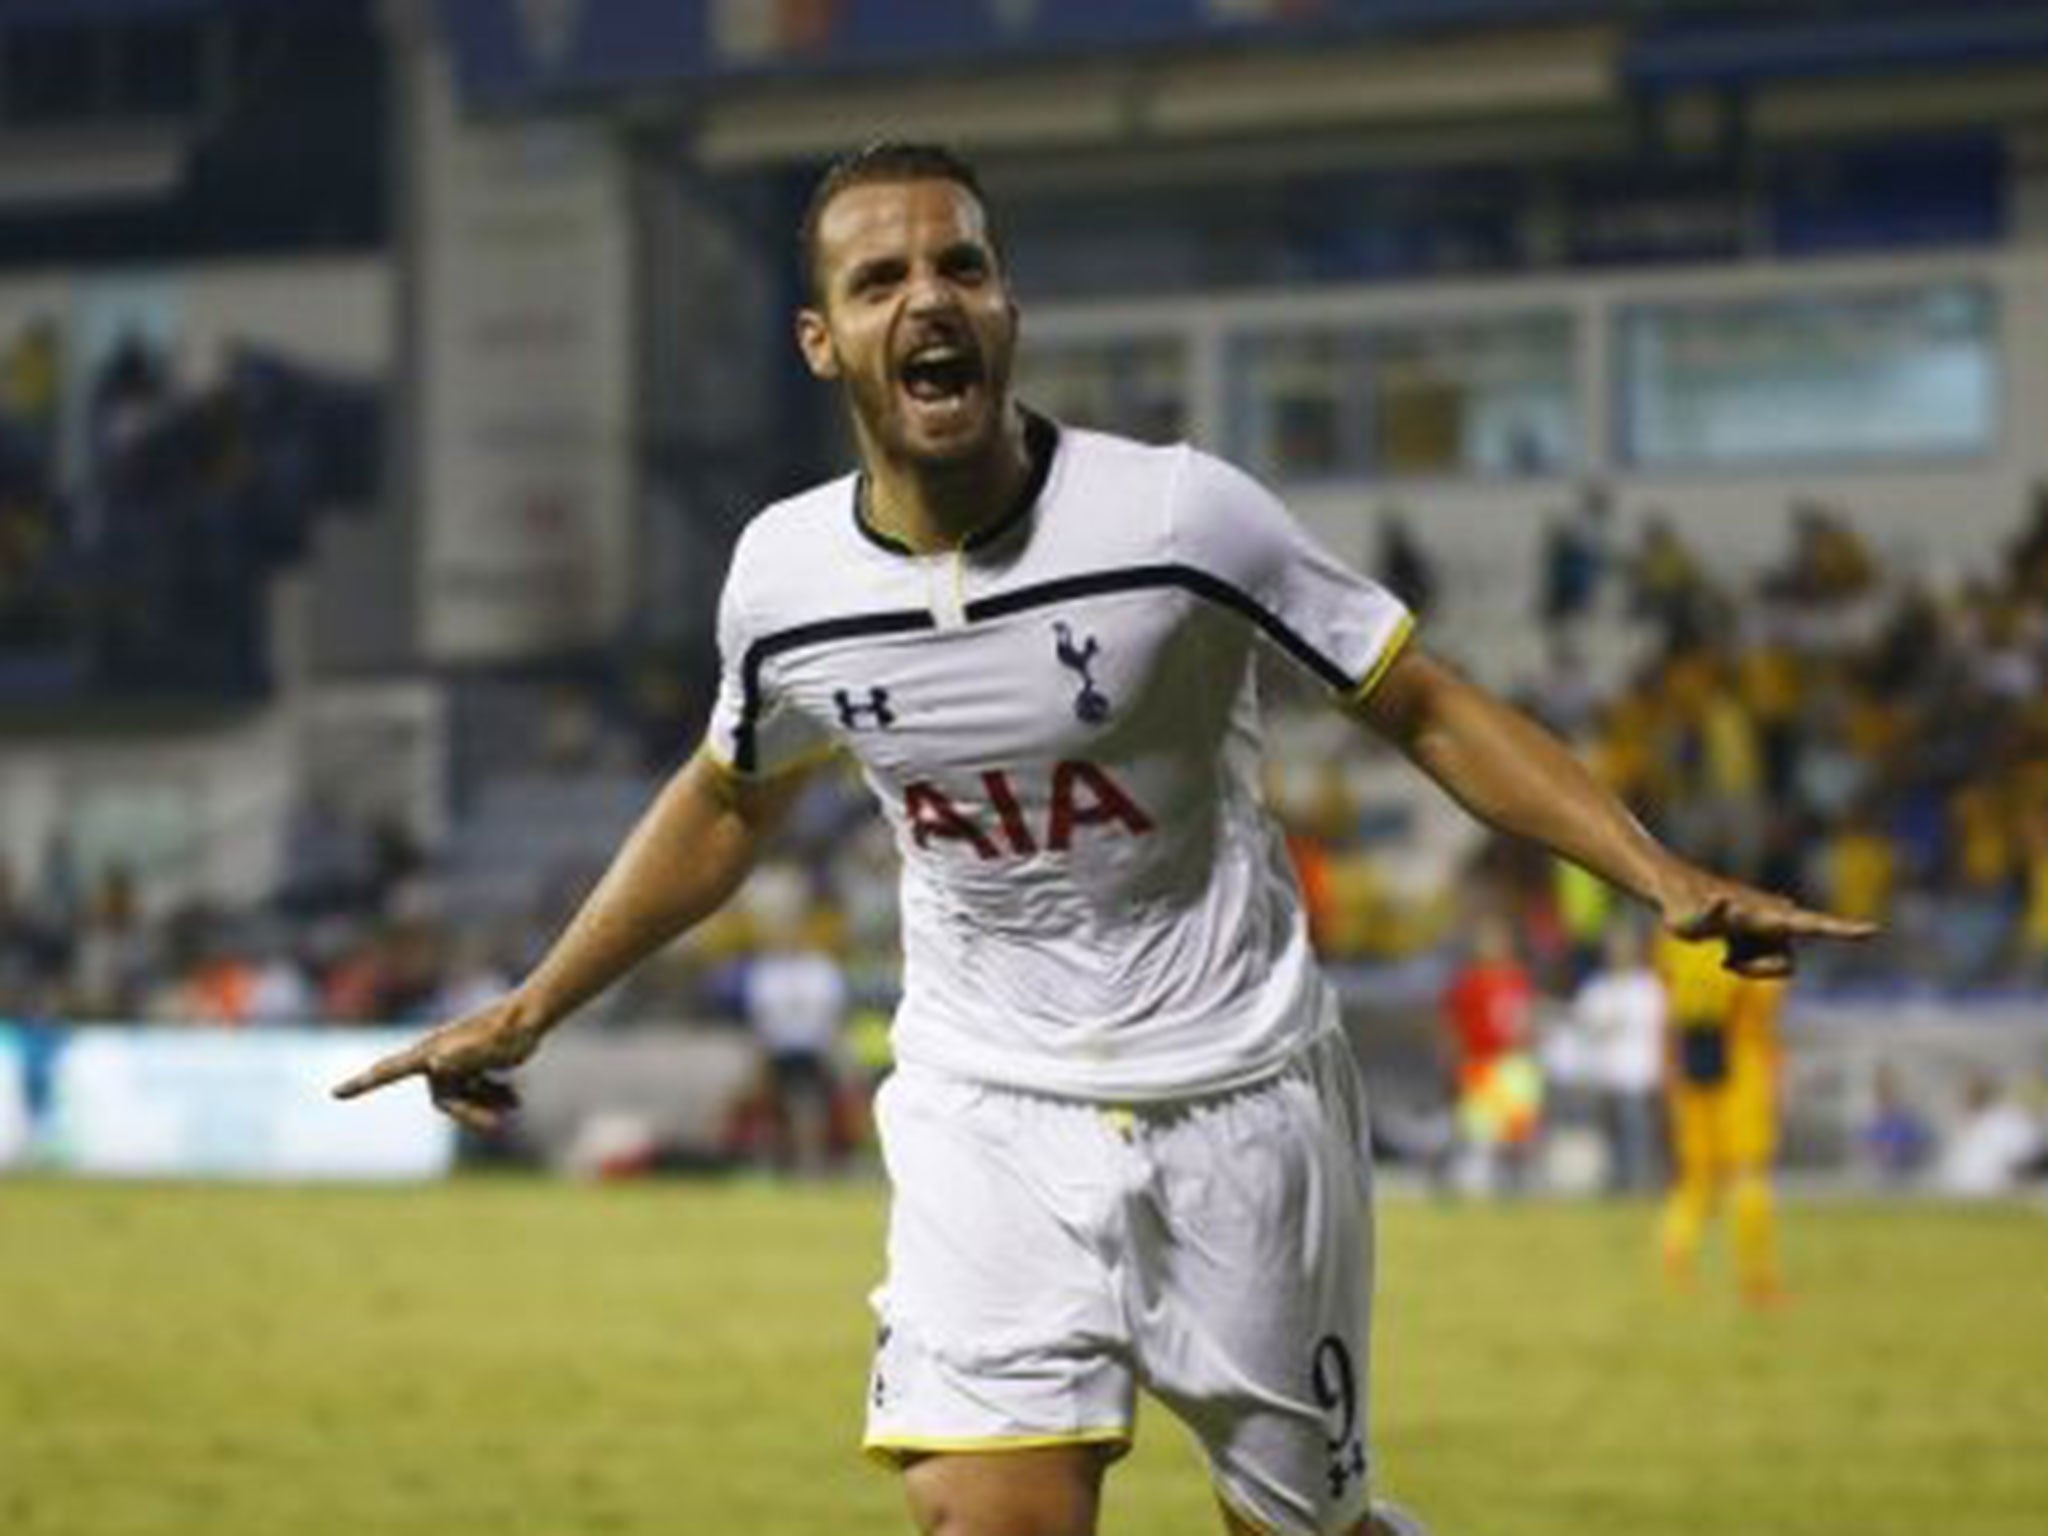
[
  {"x": 1340, "y": 626},
  {"x": 754, "y": 731}
]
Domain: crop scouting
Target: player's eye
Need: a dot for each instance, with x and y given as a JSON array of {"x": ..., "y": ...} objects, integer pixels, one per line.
[
  {"x": 967, "y": 264},
  {"x": 874, "y": 278}
]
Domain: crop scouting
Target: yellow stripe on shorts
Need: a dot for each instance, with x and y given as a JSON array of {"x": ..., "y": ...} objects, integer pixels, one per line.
[{"x": 891, "y": 1449}]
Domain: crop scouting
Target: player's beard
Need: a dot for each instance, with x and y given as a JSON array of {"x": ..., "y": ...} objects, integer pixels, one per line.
[{"x": 887, "y": 420}]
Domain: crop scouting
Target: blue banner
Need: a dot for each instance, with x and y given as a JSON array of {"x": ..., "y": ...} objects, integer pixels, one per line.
[{"x": 513, "y": 52}]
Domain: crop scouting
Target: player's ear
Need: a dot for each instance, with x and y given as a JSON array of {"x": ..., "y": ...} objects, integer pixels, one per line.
[{"x": 814, "y": 340}]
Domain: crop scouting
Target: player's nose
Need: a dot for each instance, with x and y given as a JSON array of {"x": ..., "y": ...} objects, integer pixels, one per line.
[{"x": 929, "y": 292}]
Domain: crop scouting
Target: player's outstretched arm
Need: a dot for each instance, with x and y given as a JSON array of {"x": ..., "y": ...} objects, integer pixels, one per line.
[
  {"x": 688, "y": 854},
  {"x": 1515, "y": 776}
]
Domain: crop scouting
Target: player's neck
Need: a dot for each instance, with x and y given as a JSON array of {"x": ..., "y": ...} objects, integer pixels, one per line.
[{"x": 932, "y": 508}]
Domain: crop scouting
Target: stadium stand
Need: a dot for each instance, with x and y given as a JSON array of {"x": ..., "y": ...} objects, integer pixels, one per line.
[{"x": 1693, "y": 372}]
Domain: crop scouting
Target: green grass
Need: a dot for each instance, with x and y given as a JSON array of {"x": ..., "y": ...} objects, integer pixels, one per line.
[{"x": 514, "y": 1357}]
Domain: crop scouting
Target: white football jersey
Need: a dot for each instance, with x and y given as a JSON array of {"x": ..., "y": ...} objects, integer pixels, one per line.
[{"x": 1059, "y": 720}]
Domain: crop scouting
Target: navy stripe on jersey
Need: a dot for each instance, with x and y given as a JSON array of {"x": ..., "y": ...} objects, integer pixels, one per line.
[
  {"x": 1187, "y": 577},
  {"x": 1041, "y": 445},
  {"x": 854, "y": 626},
  {"x": 1043, "y": 594}
]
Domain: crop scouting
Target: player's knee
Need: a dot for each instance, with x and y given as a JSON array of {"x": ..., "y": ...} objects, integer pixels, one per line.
[
  {"x": 962, "y": 1513},
  {"x": 1023, "y": 1493}
]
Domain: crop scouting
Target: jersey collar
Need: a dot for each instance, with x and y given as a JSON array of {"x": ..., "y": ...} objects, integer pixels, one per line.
[{"x": 1041, "y": 443}]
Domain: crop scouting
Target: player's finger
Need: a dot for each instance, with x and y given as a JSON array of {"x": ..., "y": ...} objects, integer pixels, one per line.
[
  {"x": 409, "y": 1062},
  {"x": 1806, "y": 924}
]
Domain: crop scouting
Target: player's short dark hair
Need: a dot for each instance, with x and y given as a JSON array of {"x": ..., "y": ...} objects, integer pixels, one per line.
[{"x": 883, "y": 161}]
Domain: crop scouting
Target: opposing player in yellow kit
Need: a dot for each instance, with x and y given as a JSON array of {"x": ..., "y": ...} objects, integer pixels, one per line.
[{"x": 1724, "y": 1075}]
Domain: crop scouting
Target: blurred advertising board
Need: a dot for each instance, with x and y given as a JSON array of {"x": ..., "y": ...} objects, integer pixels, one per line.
[
  {"x": 147, "y": 1102},
  {"x": 14, "y": 1121}
]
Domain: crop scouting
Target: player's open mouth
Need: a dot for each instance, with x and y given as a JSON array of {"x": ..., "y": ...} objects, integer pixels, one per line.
[{"x": 940, "y": 374}]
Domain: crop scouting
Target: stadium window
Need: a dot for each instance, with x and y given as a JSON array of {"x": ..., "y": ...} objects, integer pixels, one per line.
[
  {"x": 1828, "y": 377},
  {"x": 158, "y": 69},
  {"x": 1489, "y": 398},
  {"x": 1138, "y": 387},
  {"x": 54, "y": 74}
]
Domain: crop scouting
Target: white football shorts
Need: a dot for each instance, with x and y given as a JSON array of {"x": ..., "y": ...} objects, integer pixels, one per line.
[{"x": 1047, "y": 1257}]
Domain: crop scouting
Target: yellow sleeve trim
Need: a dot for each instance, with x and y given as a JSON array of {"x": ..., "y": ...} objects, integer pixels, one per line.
[
  {"x": 891, "y": 1449},
  {"x": 723, "y": 767},
  {"x": 716, "y": 762},
  {"x": 1397, "y": 642}
]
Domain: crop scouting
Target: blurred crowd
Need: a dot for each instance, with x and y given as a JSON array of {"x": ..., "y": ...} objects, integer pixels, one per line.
[
  {"x": 344, "y": 939},
  {"x": 1829, "y": 729},
  {"x": 139, "y": 511}
]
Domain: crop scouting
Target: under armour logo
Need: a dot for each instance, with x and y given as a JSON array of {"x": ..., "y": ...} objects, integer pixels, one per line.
[
  {"x": 881, "y": 1387},
  {"x": 876, "y": 709},
  {"x": 1345, "y": 1466},
  {"x": 1089, "y": 704}
]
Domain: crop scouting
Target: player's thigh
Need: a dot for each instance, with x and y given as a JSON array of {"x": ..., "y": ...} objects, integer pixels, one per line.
[
  {"x": 1047, "y": 1491},
  {"x": 1752, "y": 1144},
  {"x": 1739, "y": 1133},
  {"x": 1001, "y": 1330},
  {"x": 1254, "y": 1286},
  {"x": 1752, "y": 1121}
]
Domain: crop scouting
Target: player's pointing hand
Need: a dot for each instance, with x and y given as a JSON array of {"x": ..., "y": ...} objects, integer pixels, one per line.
[
  {"x": 458, "y": 1061},
  {"x": 1759, "y": 927}
]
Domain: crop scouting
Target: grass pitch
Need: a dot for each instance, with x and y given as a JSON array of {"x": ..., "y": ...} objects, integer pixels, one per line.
[{"x": 513, "y": 1357}]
